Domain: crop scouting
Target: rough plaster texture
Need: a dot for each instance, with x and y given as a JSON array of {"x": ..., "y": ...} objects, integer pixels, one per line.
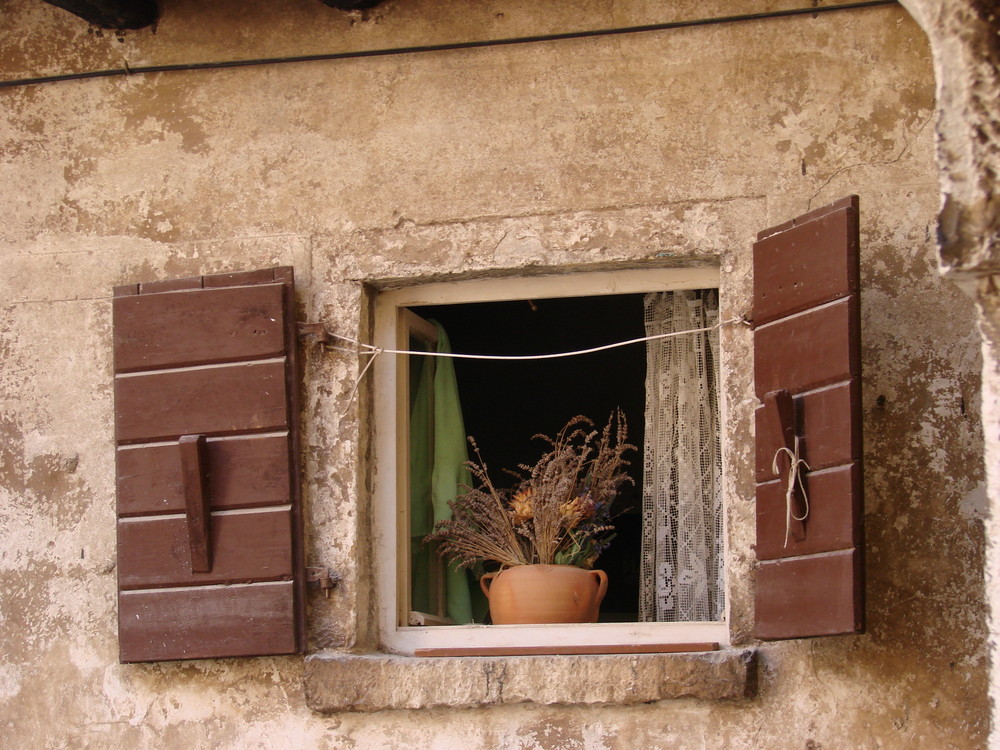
[
  {"x": 611, "y": 152},
  {"x": 965, "y": 38}
]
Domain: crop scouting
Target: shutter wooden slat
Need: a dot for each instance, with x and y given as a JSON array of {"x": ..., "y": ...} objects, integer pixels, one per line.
[
  {"x": 171, "y": 329},
  {"x": 169, "y": 285},
  {"x": 805, "y": 270},
  {"x": 241, "y": 278},
  {"x": 208, "y": 363},
  {"x": 791, "y": 593},
  {"x": 245, "y": 547},
  {"x": 831, "y": 522},
  {"x": 805, "y": 351},
  {"x": 245, "y": 397},
  {"x": 849, "y": 202},
  {"x": 806, "y": 313},
  {"x": 149, "y": 477},
  {"x": 202, "y": 623}
]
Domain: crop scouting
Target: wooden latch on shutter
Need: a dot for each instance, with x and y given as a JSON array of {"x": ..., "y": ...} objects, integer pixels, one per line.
[
  {"x": 199, "y": 516},
  {"x": 807, "y": 375}
]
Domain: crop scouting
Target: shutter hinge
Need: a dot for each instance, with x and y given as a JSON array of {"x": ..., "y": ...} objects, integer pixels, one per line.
[
  {"x": 322, "y": 578},
  {"x": 314, "y": 333}
]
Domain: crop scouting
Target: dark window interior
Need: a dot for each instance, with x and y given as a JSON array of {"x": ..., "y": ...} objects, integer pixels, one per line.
[{"x": 505, "y": 403}]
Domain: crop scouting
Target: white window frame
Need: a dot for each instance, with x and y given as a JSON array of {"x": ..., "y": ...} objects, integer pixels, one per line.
[{"x": 390, "y": 507}]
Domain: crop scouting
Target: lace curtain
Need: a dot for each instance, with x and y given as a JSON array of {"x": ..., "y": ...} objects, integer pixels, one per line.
[{"x": 682, "y": 544}]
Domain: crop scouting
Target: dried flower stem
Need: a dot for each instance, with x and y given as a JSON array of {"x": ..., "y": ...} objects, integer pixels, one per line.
[{"x": 559, "y": 513}]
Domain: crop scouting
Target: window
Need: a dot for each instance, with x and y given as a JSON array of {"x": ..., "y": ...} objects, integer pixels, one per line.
[
  {"x": 210, "y": 555},
  {"x": 503, "y": 431}
]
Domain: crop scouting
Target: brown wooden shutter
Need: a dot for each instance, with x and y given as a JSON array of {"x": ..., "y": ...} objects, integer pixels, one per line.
[
  {"x": 209, "y": 522},
  {"x": 807, "y": 376}
]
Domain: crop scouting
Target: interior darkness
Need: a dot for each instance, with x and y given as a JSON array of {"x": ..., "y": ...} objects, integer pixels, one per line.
[{"x": 505, "y": 403}]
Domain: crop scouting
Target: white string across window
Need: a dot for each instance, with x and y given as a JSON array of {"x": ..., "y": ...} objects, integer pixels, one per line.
[{"x": 360, "y": 348}]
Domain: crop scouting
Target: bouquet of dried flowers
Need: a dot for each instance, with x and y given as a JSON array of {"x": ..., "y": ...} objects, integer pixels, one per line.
[{"x": 559, "y": 511}]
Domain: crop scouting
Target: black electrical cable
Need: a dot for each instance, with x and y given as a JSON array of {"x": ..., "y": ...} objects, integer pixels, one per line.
[{"x": 126, "y": 71}]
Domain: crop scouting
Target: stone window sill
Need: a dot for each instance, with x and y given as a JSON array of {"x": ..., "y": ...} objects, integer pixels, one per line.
[{"x": 337, "y": 681}]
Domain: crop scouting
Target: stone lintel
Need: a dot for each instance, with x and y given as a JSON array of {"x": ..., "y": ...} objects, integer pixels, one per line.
[{"x": 378, "y": 682}]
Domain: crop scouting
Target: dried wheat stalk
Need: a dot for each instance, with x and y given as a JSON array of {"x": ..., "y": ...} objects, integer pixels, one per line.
[{"x": 558, "y": 513}]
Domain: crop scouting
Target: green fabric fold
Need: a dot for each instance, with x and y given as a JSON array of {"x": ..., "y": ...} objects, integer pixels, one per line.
[{"x": 438, "y": 455}]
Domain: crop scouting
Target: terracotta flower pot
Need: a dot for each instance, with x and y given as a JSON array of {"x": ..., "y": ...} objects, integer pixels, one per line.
[{"x": 544, "y": 594}]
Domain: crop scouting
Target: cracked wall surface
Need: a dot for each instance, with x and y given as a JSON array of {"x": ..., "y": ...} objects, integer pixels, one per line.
[{"x": 649, "y": 149}]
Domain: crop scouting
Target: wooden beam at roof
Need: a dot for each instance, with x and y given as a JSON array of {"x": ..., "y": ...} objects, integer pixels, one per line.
[{"x": 113, "y": 14}]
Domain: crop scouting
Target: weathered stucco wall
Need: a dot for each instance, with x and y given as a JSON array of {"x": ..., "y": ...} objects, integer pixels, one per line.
[
  {"x": 614, "y": 151},
  {"x": 965, "y": 36}
]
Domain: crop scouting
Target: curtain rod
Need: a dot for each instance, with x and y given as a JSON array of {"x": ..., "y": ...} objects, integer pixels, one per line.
[{"x": 448, "y": 46}]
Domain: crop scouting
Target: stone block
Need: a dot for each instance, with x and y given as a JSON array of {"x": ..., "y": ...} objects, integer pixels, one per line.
[{"x": 378, "y": 682}]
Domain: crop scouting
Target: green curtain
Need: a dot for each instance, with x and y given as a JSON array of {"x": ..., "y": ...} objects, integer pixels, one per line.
[
  {"x": 421, "y": 468},
  {"x": 438, "y": 454}
]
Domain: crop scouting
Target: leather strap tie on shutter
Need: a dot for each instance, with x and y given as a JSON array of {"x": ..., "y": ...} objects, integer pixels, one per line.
[
  {"x": 781, "y": 409},
  {"x": 794, "y": 477}
]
